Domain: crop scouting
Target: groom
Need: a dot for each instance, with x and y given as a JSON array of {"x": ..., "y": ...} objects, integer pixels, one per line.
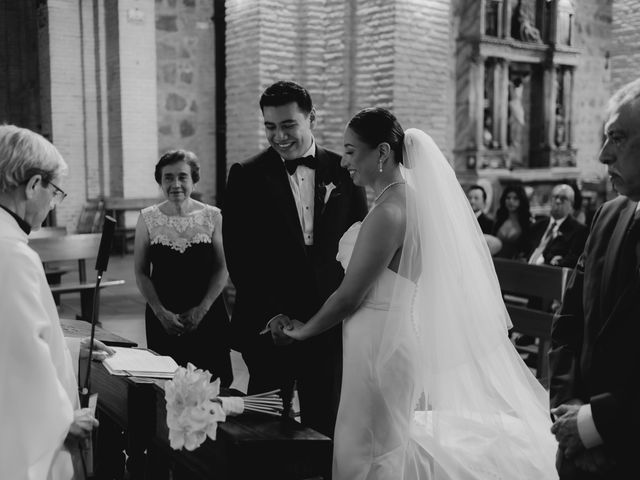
[{"x": 285, "y": 211}]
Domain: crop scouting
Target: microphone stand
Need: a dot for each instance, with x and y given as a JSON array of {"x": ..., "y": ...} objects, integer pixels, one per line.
[
  {"x": 102, "y": 261},
  {"x": 85, "y": 391}
]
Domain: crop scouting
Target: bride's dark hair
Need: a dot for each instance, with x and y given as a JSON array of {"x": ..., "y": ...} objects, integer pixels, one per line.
[{"x": 378, "y": 125}]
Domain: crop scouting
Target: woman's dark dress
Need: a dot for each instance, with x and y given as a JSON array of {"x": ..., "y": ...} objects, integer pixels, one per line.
[{"x": 182, "y": 262}]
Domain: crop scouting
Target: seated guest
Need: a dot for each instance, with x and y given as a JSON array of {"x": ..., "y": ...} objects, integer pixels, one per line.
[
  {"x": 41, "y": 422},
  {"x": 559, "y": 239},
  {"x": 513, "y": 222},
  {"x": 181, "y": 271},
  {"x": 477, "y": 196}
]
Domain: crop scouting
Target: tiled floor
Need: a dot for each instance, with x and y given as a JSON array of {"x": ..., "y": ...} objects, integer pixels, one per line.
[{"x": 122, "y": 310}]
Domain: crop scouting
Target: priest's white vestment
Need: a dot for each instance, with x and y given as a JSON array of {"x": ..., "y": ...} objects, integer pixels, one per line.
[{"x": 38, "y": 386}]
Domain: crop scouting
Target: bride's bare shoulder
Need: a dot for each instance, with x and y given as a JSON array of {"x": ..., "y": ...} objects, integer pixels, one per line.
[{"x": 389, "y": 217}]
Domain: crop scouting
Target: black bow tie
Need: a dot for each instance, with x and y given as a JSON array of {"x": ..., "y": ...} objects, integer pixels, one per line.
[{"x": 291, "y": 165}]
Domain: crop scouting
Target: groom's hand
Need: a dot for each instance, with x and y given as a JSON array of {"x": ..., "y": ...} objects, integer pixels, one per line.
[{"x": 277, "y": 326}]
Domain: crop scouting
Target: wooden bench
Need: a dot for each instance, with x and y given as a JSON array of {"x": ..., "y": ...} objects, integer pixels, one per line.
[
  {"x": 77, "y": 247},
  {"x": 531, "y": 293},
  {"x": 53, "y": 272},
  {"x": 117, "y": 208}
]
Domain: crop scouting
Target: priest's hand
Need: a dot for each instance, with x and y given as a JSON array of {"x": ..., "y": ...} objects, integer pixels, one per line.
[
  {"x": 83, "y": 423},
  {"x": 100, "y": 350}
]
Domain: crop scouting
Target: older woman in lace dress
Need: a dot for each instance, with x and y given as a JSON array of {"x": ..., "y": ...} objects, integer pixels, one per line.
[{"x": 181, "y": 271}]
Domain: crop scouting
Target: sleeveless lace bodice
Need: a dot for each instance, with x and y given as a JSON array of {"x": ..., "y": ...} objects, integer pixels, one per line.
[{"x": 179, "y": 233}]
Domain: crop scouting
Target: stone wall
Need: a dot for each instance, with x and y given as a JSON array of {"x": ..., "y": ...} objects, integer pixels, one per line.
[{"x": 186, "y": 84}]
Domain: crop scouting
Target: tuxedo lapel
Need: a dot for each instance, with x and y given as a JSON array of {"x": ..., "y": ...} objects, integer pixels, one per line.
[
  {"x": 611, "y": 258},
  {"x": 278, "y": 183}
]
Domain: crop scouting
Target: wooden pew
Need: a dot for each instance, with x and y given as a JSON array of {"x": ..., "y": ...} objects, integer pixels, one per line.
[
  {"x": 117, "y": 208},
  {"x": 53, "y": 272},
  {"x": 78, "y": 247},
  {"x": 48, "y": 232},
  {"x": 530, "y": 293}
]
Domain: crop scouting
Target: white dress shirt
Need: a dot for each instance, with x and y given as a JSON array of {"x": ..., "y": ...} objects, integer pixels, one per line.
[{"x": 303, "y": 187}]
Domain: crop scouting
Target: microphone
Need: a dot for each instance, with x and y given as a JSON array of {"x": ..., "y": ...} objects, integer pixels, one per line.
[
  {"x": 108, "y": 229},
  {"x": 102, "y": 260}
]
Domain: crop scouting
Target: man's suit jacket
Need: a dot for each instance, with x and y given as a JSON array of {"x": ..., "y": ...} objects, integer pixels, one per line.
[
  {"x": 264, "y": 247},
  {"x": 486, "y": 223},
  {"x": 568, "y": 242},
  {"x": 595, "y": 356}
]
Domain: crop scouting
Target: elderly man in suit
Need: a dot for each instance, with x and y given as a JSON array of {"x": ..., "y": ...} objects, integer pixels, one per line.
[
  {"x": 284, "y": 213},
  {"x": 595, "y": 365},
  {"x": 477, "y": 196},
  {"x": 559, "y": 239}
]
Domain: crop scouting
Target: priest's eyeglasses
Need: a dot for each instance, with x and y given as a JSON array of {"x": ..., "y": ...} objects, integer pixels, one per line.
[{"x": 58, "y": 195}]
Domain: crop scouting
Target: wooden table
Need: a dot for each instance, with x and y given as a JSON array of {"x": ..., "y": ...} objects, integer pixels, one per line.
[
  {"x": 81, "y": 329},
  {"x": 247, "y": 446}
]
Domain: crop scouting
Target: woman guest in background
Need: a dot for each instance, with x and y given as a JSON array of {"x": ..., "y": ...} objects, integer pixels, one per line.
[
  {"x": 41, "y": 424},
  {"x": 181, "y": 271},
  {"x": 513, "y": 221}
]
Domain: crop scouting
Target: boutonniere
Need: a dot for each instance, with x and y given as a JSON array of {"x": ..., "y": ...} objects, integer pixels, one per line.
[{"x": 328, "y": 188}]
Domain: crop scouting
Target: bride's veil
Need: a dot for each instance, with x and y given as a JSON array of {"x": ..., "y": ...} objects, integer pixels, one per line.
[{"x": 480, "y": 413}]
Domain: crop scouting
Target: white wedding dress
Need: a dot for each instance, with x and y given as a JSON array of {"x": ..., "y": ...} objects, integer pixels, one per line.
[{"x": 432, "y": 388}]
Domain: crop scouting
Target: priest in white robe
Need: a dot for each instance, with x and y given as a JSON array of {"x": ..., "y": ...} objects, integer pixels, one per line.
[{"x": 40, "y": 416}]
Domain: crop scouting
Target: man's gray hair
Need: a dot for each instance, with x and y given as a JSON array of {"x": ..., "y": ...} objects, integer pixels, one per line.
[
  {"x": 626, "y": 94},
  {"x": 23, "y": 154}
]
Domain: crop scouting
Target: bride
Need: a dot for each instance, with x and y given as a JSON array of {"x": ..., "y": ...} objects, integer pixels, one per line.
[{"x": 431, "y": 388}]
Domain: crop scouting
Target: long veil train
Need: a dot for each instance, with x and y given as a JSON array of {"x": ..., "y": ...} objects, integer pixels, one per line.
[{"x": 481, "y": 413}]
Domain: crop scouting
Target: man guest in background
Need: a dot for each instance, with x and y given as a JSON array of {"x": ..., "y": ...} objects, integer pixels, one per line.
[
  {"x": 284, "y": 213},
  {"x": 559, "y": 239},
  {"x": 594, "y": 359},
  {"x": 477, "y": 196}
]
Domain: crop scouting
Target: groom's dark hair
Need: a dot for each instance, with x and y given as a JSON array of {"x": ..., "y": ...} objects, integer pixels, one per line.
[
  {"x": 283, "y": 92},
  {"x": 378, "y": 125}
]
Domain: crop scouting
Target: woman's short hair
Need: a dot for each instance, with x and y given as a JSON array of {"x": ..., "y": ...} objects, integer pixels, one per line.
[
  {"x": 378, "y": 125},
  {"x": 175, "y": 156},
  {"x": 23, "y": 154}
]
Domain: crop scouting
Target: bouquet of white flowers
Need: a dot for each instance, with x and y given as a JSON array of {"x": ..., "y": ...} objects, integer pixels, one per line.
[{"x": 194, "y": 406}]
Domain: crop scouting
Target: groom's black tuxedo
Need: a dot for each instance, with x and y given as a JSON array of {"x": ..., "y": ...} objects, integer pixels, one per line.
[
  {"x": 595, "y": 356},
  {"x": 274, "y": 272}
]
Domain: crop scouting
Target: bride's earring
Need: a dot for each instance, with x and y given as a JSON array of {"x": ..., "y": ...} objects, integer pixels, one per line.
[{"x": 380, "y": 165}]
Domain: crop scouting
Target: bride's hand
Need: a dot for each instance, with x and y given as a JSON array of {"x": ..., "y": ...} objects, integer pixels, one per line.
[{"x": 296, "y": 330}]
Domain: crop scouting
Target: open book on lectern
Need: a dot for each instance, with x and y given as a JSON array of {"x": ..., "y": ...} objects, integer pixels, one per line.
[{"x": 136, "y": 362}]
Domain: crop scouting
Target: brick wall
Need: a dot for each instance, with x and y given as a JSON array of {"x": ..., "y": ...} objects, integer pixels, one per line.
[
  {"x": 424, "y": 72},
  {"x": 138, "y": 97},
  {"x": 592, "y": 29},
  {"x": 625, "y": 49},
  {"x": 186, "y": 84},
  {"x": 348, "y": 54},
  {"x": 65, "y": 100}
]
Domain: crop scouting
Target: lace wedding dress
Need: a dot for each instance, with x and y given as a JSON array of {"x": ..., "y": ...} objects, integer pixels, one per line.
[{"x": 432, "y": 388}]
